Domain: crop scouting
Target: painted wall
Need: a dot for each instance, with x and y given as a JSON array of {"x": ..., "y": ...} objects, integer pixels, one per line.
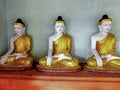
[
  {"x": 3, "y": 27},
  {"x": 81, "y": 17}
]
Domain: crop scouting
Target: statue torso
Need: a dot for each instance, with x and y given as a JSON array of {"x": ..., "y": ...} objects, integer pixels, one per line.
[
  {"x": 107, "y": 45},
  {"x": 62, "y": 45}
]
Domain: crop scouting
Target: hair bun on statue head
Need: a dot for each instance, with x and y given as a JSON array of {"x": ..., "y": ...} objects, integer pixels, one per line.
[
  {"x": 104, "y": 18},
  {"x": 20, "y": 21},
  {"x": 59, "y": 18}
]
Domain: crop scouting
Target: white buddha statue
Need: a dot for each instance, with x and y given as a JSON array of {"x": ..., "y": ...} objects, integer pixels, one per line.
[
  {"x": 103, "y": 45},
  {"x": 60, "y": 45},
  {"x": 18, "y": 56}
]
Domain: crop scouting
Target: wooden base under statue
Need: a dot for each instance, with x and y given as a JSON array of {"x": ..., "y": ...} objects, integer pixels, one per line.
[
  {"x": 102, "y": 69},
  {"x": 7, "y": 67},
  {"x": 39, "y": 68}
]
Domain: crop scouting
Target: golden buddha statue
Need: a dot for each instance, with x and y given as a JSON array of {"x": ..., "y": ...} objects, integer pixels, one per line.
[
  {"x": 103, "y": 45},
  {"x": 18, "y": 56},
  {"x": 59, "y": 57}
]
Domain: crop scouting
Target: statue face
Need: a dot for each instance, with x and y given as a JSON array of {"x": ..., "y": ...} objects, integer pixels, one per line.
[
  {"x": 106, "y": 26},
  {"x": 59, "y": 28},
  {"x": 19, "y": 29}
]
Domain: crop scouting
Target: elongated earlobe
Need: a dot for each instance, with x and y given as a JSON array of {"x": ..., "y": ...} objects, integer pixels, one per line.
[{"x": 24, "y": 30}]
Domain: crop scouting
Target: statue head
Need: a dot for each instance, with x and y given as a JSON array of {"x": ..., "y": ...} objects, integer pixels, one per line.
[
  {"x": 105, "y": 24},
  {"x": 59, "y": 25},
  {"x": 19, "y": 27}
]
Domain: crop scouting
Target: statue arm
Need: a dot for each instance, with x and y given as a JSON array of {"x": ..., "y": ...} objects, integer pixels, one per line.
[
  {"x": 4, "y": 57},
  {"x": 11, "y": 47},
  {"x": 50, "y": 51},
  {"x": 93, "y": 47},
  {"x": 69, "y": 46}
]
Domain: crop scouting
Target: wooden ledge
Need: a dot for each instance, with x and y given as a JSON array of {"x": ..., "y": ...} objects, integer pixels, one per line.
[{"x": 36, "y": 80}]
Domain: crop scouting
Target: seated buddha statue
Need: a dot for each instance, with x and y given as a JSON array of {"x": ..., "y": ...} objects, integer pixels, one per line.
[
  {"x": 59, "y": 57},
  {"x": 103, "y": 45},
  {"x": 18, "y": 57}
]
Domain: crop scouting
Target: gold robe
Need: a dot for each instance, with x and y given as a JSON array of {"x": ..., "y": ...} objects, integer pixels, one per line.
[
  {"x": 61, "y": 46},
  {"x": 104, "y": 47},
  {"x": 21, "y": 45}
]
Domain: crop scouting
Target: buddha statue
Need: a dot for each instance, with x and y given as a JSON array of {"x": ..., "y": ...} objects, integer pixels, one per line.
[
  {"x": 59, "y": 58},
  {"x": 103, "y": 46},
  {"x": 18, "y": 57}
]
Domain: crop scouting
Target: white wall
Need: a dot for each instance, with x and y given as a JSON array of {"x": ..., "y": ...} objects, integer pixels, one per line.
[
  {"x": 3, "y": 30},
  {"x": 81, "y": 17}
]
